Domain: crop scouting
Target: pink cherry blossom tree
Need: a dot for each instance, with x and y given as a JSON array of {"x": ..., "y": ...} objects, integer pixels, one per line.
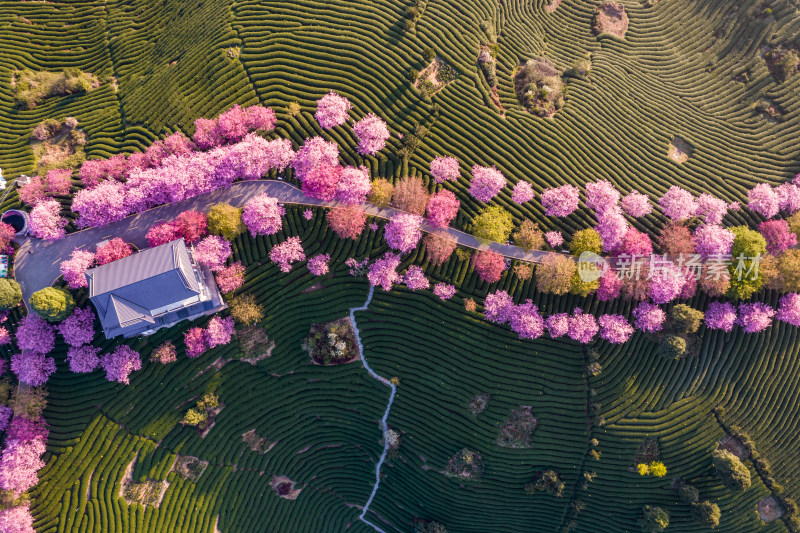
[
  {"x": 353, "y": 186},
  {"x": 113, "y": 250},
  {"x": 318, "y": 264},
  {"x": 445, "y": 169},
  {"x": 46, "y": 221},
  {"x": 442, "y": 208},
  {"x": 212, "y": 252},
  {"x": 523, "y": 192},
  {"x": 5, "y": 339},
  {"x": 78, "y": 328},
  {"x": 195, "y": 341},
  {"x": 778, "y": 236},
  {"x": 286, "y": 253},
  {"x": 789, "y": 309},
  {"x": 259, "y": 118},
  {"x": 665, "y": 284},
  {"x": 601, "y": 195},
  {"x": 415, "y": 279},
  {"x": 554, "y": 238},
  {"x": 582, "y": 327},
  {"x": 609, "y": 286},
  {"x": 486, "y": 183},
  {"x": 615, "y": 328},
  {"x": 713, "y": 240},
  {"x": 755, "y": 317},
  {"x": 315, "y": 152},
  {"x": 321, "y": 182},
  {"x": 232, "y": 124},
  {"x": 712, "y": 209},
  {"x": 383, "y": 272},
  {"x": 56, "y": 182},
  {"x": 678, "y": 204},
  {"x": 206, "y": 134},
  {"x": 560, "y": 201},
  {"x": 34, "y": 334},
  {"x": 262, "y": 215},
  {"x": 444, "y": 291},
  {"x": 347, "y": 222},
  {"x": 763, "y": 199},
  {"x": 219, "y": 331},
  {"x": 279, "y": 154},
  {"x": 648, "y": 317},
  {"x": 246, "y": 160},
  {"x": 788, "y": 197},
  {"x": 403, "y": 233},
  {"x": 100, "y": 205},
  {"x": 16, "y": 520},
  {"x": 19, "y": 465},
  {"x": 332, "y": 110},
  {"x": 636, "y": 204},
  {"x": 720, "y": 315},
  {"x": 74, "y": 269},
  {"x": 120, "y": 363},
  {"x": 32, "y": 367},
  {"x": 634, "y": 243},
  {"x": 557, "y": 325},
  {"x": 83, "y": 359},
  {"x": 497, "y": 307},
  {"x": 613, "y": 228},
  {"x": 526, "y": 321},
  {"x": 230, "y": 278},
  {"x": 489, "y": 265},
  {"x": 371, "y": 133}
]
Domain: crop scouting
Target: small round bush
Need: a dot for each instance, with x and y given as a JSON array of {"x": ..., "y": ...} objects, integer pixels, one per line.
[
  {"x": 52, "y": 304},
  {"x": 672, "y": 346},
  {"x": 10, "y": 293},
  {"x": 689, "y": 494},
  {"x": 225, "y": 220},
  {"x": 707, "y": 513}
]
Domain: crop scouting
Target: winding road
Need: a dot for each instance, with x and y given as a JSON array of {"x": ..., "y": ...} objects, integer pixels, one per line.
[{"x": 37, "y": 262}]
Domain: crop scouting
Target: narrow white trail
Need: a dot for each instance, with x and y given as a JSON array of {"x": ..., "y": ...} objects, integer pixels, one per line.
[{"x": 385, "y": 414}]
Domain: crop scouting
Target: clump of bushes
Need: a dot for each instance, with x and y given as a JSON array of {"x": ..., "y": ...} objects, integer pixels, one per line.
[
  {"x": 655, "y": 519},
  {"x": 465, "y": 465},
  {"x": 52, "y": 303},
  {"x": 10, "y": 293},
  {"x": 655, "y": 468},
  {"x": 245, "y": 310},
  {"x": 479, "y": 403},
  {"x": 782, "y": 63},
  {"x": 256, "y": 443},
  {"x": 201, "y": 415},
  {"x": 547, "y": 481},
  {"x": 540, "y": 87},
  {"x": 730, "y": 469},
  {"x": 517, "y": 429},
  {"x": 331, "y": 343},
  {"x": 429, "y": 527},
  {"x": 413, "y": 13},
  {"x": 32, "y": 87},
  {"x": 144, "y": 493}
]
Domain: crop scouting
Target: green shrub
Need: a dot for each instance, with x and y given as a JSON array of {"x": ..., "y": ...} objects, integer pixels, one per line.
[
  {"x": 672, "y": 346},
  {"x": 733, "y": 473},
  {"x": 225, "y": 220},
  {"x": 547, "y": 481},
  {"x": 689, "y": 494},
  {"x": 687, "y": 319},
  {"x": 10, "y": 293},
  {"x": 493, "y": 224},
  {"x": 655, "y": 519},
  {"x": 53, "y": 304},
  {"x": 707, "y": 513},
  {"x": 585, "y": 240}
]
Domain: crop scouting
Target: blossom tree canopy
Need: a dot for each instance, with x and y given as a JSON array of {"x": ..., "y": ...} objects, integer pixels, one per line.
[
  {"x": 415, "y": 279},
  {"x": 788, "y": 197},
  {"x": 778, "y": 236},
  {"x": 32, "y": 367},
  {"x": 615, "y": 328},
  {"x": 613, "y": 228},
  {"x": 648, "y": 317},
  {"x": 17, "y": 520},
  {"x": 120, "y": 363},
  {"x": 74, "y": 269},
  {"x": 206, "y": 134},
  {"x": 83, "y": 359},
  {"x": 444, "y": 291},
  {"x": 19, "y": 463},
  {"x": 262, "y": 215},
  {"x": 371, "y": 133},
  {"x": 557, "y": 325},
  {"x": 347, "y": 222},
  {"x": 318, "y": 264},
  {"x": 286, "y": 253},
  {"x": 720, "y": 315},
  {"x": 78, "y": 328},
  {"x": 445, "y": 169},
  {"x": 442, "y": 208},
  {"x": 100, "y": 205},
  {"x": 162, "y": 234},
  {"x": 636, "y": 204},
  {"x": 713, "y": 240},
  {"x": 523, "y": 192},
  {"x": 247, "y": 160},
  {"x": 439, "y": 246},
  {"x": 666, "y": 284},
  {"x": 403, "y": 233},
  {"x": 712, "y": 209},
  {"x": 195, "y": 340},
  {"x": 763, "y": 199},
  {"x": 315, "y": 152},
  {"x": 46, "y": 221},
  {"x": 526, "y": 321},
  {"x": 560, "y": 201},
  {"x": 279, "y": 154},
  {"x": 755, "y": 317},
  {"x": 230, "y": 278},
  {"x": 678, "y": 204},
  {"x": 34, "y": 334},
  {"x": 486, "y": 183},
  {"x": 219, "y": 331},
  {"x": 601, "y": 195},
  {"x": 789, "y": 309},
  {"x": 497, "y": 307},
  {"x": 7, "y": 233},
  {"x": 353, "y": 186},
  {"x": 383, "y": 272},
  {"x": 57, "y": 182},
  {"x": 554, "y": 238},
  {"x": 489, "y": 265},
  {"x": 232, "y": 124},
  {"x": 321, "y": 182},
  {"x": 582, "y": 327},
  {"x": 332, "y": 110},
  {"x": 634, "y": 242},
  {"x": 609, "y": 286},
  {"x": 259, "y": 118},
  {"x": 212, "y": 252},
  {"x": 113, "y": 250}
]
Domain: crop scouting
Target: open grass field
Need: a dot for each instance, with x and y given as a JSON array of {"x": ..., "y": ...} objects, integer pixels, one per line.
[{"x": 686, "y": 69}]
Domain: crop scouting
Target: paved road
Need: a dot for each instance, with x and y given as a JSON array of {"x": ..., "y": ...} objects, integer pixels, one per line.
[{"x": 37, "y": 261}]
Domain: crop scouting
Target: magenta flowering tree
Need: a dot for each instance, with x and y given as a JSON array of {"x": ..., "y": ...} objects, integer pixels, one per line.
[
  {"x": 613, "y": 228},
  {"x": 486, "y": 183},
  {"x": 308, "y": 214},
  {"x": 415, "y": 279},
  {"x": 489, "y": 265},
  {"x": 497, "y": 307},
  {"x": 74, "y": 269},
  {"x": 648, "y": 317},
  {"x": 34, "y": 334},
  {"x": 788, "y": 197},
  {"x": 286, "y": 253},
  {"x": 557, "y": 325},
  {"x": 523, "y": 192},
  {"x": 763, "y": 199},
  {"x": 444, "y": 291},
  {"x": 711, "y": 208},
  {"x": 206, "y": 134},
  {"x": 615, "y": 328},
  {"x": 321, "y": 182},
  {"x": 383, "y": 272},
  {"x": 778, "y": 236},
  {"x": 371, "y": 133},
  {"x": 5, "y": 339},
  {"x": 601, "y": 195},
  {"x": 554, "y": 238},
  {"x": 262, "y": 215},
  {"x": 609, "y": 286},
  {"x": 332, "y": 110},
  {"x": 32, "y": 367},
  {"x": 195, "y": 340},
  {"x": 445, "y": 169},
  {"x": 230, "y": 278},
  {"x": 100, "y": 205},
  {"x": 19, "y": 463},
  {"x": 442, "y": 208},
  {"x": 246, "y": 160},
  {"x": 526, "y": 321},
  {"x": 212, "y": 252},
  {"x": 755, "y": 317},
  {"x": 78, "y": 328},
  {"x": 582, "y": 327},
  {"x": 678, "y": 204},
  {"x": 560, "y": 201},
  {"x": 318, "y": 264},
  {"x": 83, "y": 359},
  {"x": 56, "y": 182},
  {"x": 46, "y": 221},
  {"x": 666, "y": 283},
  {"x": 634, "y": 243},
  {"x": 789, "y": 309},
  {"x": 162, "y": 234},
  {"x": 112, "y": 250},
  {"x": 720, "y": 315},
  {"x": 279, "y": 154},
  {"x": 219, "y": 331},
  {"x": 713, "y": 240},
  {"x": 259, "y": 118},
  {"x": 636, "y": 204},
  {"x": 315, "y": 152},
  {"x": 120, "y": 363},
  {"x": 403, "y": 233},
  {"x": 17, "y": 519},
  {"x": 353, "y": 186},
  {"x": 5, "y": 416},
  {"x": 232, "y": 124}
]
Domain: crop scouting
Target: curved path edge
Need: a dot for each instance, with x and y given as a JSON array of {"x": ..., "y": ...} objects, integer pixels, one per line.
[{"x": 384, "y": 426}]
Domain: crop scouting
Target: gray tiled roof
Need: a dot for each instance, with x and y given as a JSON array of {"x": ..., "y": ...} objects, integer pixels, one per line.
[{"x": 126, "y": 291}]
